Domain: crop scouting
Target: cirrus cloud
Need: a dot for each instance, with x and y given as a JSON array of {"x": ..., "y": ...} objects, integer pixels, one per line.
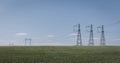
[
  {"x": 21, "y": 34},
  {"x": 50, "y": 36},
  {"x": 73, "y": 34}
]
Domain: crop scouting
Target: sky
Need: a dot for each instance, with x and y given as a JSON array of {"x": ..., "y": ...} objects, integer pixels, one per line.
[{"x": 51, "y": 22}]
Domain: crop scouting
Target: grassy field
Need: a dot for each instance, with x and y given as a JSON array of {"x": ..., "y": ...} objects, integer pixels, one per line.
[{"x": 60, "y": 54}]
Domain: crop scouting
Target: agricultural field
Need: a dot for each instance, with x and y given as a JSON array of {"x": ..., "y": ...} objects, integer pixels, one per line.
[{"x": 60, "y": 54}]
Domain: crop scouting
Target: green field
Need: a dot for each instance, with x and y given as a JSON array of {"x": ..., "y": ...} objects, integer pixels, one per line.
[{"x": 60, "y": 54}]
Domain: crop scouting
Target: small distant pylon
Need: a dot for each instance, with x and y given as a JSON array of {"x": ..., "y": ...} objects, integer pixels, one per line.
[
  {"x": 102, "y": 39},
  {"x": 91, "y": 40},
  {"x": 28, "y": 40},
  {"x": 79, "y": 38}
]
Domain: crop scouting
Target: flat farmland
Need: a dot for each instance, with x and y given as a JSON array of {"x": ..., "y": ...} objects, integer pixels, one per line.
[{"x": 59, "y": 54}]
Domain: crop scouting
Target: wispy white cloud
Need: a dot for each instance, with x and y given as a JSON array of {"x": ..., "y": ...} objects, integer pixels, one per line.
[
  {"x": 72, "y": 34},
  {"x": 21, "y": 34},
  {"x": 50, "y": 36},
  {"x": 96, "y": 38},
  {"x": 117, "y": 39},
  {"x": 117, "y": 22}
]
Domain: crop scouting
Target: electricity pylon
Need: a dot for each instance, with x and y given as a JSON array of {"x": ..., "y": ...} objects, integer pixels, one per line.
[
  {"x": 79, "y": 38},
  {"x": 91, "y": 40},
  {"x": 102, "y": 39},
  {"x": 29, "y": 40}
]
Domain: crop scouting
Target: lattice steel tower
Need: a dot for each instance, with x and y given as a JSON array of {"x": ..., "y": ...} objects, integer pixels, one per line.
[
  {"x": 79, "y": 38},
  {"x": 102, "y": 39},
  {"x": 91, "y": 40},
  {"x": 29, "y": 40}
]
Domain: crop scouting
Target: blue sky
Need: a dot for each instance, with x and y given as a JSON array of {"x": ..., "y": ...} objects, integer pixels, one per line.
[{"x": 50, "y": 22}]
